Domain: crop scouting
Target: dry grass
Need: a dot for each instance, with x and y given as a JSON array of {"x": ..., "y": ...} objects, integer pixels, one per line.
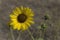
[{"x": 40, "y": 8}]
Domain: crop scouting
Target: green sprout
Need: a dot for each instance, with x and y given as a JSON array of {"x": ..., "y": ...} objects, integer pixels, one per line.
[
  {"x": 46, "y": 17},
  {"x": 43, "y": 26}
]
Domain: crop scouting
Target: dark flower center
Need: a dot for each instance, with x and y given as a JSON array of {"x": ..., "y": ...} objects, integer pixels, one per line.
[{"x": 21, "y": 18}]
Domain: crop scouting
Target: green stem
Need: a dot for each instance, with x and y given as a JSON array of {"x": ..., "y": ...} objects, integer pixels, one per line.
[
  {"x": 31, "y": 35},
  {"x": 12, "y": 35},
  {"x": 18, "y": 38}
]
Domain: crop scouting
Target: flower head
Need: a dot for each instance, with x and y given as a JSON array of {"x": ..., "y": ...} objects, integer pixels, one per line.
[{"x": 21, "y": 18}]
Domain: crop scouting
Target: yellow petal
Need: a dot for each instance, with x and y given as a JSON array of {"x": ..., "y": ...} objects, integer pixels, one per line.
[
  {"x": 15, "y": 12},
  {"x": 13, "y": 23},
  {"x": 13, "y": 20},
  {"x": 21, "y": 7},
  {"x": 18, "y": 10},
  {"x": 15, "y": 26},
  {"x": 30, "y": 21},
  {"x": 28, "y": 24},
  {"x": 30, "y": 18},
  {"x": 28, "y": 10},
  {"x": 25, "y": 9},
  {"x": 12, "y": 16},
  {"x": 19, "y": 26},
  {"x": 31, "y": 14},
  {"x": 24, "y": 27}
]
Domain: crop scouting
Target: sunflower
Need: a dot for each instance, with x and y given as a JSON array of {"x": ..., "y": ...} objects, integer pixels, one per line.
[{"x": 21, "y": 18}]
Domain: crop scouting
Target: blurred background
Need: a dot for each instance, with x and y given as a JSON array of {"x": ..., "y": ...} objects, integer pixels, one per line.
[{"x": 47, "y": 19}]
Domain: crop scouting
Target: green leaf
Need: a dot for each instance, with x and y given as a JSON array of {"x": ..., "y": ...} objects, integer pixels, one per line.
[{"x": 40, "y": 39}]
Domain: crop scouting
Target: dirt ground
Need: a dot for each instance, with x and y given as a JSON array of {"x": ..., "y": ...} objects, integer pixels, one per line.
[{"x": 40, "y": 8}]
